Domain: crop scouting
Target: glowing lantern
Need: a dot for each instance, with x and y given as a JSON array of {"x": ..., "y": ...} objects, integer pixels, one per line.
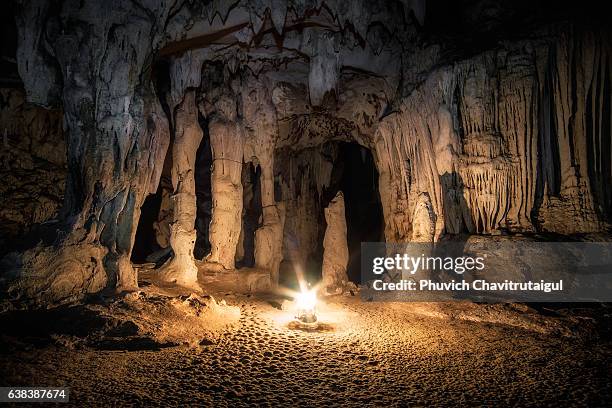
[{"x": 306, "y": 302}]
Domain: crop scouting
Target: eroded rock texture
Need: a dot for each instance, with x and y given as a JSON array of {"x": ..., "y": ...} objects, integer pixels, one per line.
[
  {"x": 33, "y": 166},
  {"x": 116, "y": 134},
  {"x": 335, "y": 248},
  {"x": 501, "y": 141},
  {"x": 181, "y": 267},
  {"x": 473, "y": 128}
]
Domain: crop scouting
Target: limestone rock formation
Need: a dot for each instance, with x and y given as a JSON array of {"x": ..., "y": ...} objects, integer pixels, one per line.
[
  {"x": 181, "y": 267},
  {"x": 32, "y": 166},
  {"x": 491, "y": 175},
  {"x": 269, "y": 241},
  {"x": 335, "y": 249},
  {"x": 262, "y": 127},
  {"x": 423, "y": 220},
  {"x": 511, "y": 135},
  {"x": 116, "y": 134},
  {"x": 226, "y": 140}
]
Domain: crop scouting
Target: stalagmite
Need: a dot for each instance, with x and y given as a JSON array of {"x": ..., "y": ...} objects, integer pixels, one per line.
[
  {"x": 335, "y": 248},
  {"x": 423, "y": 220},
  {"x": 269, "y": 241},
  {"x": 181, "y": 267},
  {"x": 226, "y": 140}
]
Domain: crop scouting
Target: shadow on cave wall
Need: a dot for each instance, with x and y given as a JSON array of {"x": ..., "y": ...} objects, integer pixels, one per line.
[{"x": 145, "y": 242}]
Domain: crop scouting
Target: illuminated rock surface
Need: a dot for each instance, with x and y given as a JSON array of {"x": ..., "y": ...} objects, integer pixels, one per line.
[
  {"x": 219, "y": 132},
  {"x": 335, "y": 249}
]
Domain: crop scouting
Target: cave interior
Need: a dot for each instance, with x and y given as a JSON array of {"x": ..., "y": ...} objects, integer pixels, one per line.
[
  {"x": 243, "y": 137},
  {"x": 175, "y": 171}
]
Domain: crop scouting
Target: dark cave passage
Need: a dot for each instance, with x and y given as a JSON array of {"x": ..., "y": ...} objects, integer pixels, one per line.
[
  {"x": 354, "y": 173},
  {"x": 364, "y": 217},
  {"x": 203, "y": 169},
  {"x": 145, "y": 243},
  {"x": 251, "y": 213}
]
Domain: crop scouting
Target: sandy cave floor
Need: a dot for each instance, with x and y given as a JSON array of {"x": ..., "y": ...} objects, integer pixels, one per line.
[{"x": 393, "y": 354}]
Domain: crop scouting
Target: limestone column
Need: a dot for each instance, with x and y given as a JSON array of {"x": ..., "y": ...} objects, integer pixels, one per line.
[
  {"x": 335, "y": 247},
  {"x": 269, "y": 238},
  {"x": 181, "y": 268},
  {"x": 226, "y": 141},
  {"x": 260, "y": 115}
]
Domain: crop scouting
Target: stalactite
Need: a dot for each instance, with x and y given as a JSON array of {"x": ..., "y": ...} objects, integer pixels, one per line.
[
  {"x": 324, "y": 67},
  {"x": 486, "y": 178}
]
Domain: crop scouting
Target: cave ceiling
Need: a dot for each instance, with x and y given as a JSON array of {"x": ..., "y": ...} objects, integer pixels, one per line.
[{"x": 332, "y": 68}]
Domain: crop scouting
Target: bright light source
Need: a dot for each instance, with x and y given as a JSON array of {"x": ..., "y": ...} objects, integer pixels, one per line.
[
  {"x": 306, "y": 300},
  {"x": 305, "y": 303}
]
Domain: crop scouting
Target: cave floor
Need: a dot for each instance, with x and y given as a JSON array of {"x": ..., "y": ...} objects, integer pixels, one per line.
[{"x": 394, "y": 354}]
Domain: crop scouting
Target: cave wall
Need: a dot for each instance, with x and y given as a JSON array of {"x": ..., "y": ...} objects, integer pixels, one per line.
[
  {"x": 117, "y": 136},
  {"x": 33, "y": 166},
  {"x": 505, "y": 140}
]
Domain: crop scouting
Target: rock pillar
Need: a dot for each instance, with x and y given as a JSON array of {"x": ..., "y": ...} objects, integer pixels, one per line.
[
  {"x": 269, "y": 238},
  {"x": 181, "y": 267},
  {"x": 335, "y": 247},
  {"x": 227, "y": 141}
]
